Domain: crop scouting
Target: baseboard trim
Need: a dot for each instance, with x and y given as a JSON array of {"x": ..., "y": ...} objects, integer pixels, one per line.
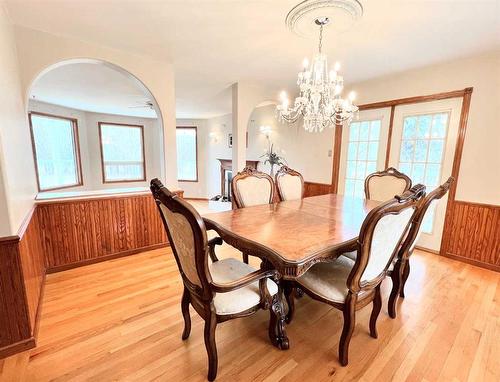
[
  {"x": 17, "y": 347},
  {"x": 65, "y": 267},
  {"x": 427, "y": 250},
  {"x": 491, "y": 267}
]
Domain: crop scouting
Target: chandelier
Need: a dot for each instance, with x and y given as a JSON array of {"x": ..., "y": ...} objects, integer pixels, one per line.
[{"x": 319, "y": 101}]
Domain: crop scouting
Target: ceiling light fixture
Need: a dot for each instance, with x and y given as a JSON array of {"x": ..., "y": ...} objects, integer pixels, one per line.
[{"x": 319, "y": 101}]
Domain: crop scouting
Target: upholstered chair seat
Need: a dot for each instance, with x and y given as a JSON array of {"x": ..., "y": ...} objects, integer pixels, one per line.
[
  {"x": 351, "y": 255},
  {"x": 241, "y": 299},
  {"x": 329, "y": 280}
]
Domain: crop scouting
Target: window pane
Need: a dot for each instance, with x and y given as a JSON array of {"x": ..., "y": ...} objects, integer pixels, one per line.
[
  {"x": 352, "y": 151},
  {"x": 421, "y": 151},
  {"x": 432, "y": 175},
  {"x": 405, "y": 168},
  {"x": 186, "y": 154},
  {"x": 351, "y": 169},
  {"x": 362, "y": 150},
  {"x": 122, "y": 152},
  {"x": 410, "y": 127},
  {"x": 424, "y": 126},
  {"x": 407, "y": 149},
  {"x": 360, "y": 170},
  {"x": 418, "y": 173},
  {"x": 439, "y": 125},
  {"x": 362, "y": 155},
  {"x": 55, "y": 152},
  {"x": 375, "y": 130},
  {"x": 373, "y": 150},
  {"x": 364, "y": 131},
  {"x": 436, "y": 151},
  {"x": 354, "y": 131}
]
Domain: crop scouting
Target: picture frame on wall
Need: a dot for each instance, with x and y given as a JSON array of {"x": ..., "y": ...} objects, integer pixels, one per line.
[{"x": 230, "y": 140}]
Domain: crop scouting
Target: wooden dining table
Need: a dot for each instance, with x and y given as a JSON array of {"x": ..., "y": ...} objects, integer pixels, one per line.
[{"x": 291, "y": 236}]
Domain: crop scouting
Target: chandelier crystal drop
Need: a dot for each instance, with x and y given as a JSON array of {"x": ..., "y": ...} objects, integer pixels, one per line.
[{"x": 319, "y": 101}]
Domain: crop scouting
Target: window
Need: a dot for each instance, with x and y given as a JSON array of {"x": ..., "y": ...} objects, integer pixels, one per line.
[
  {"x": 362, "y": 154},
  {"x": 421, "y": 154},
  {"x": 122, "y": 152},
  {"x": 187, "y": 156},
  {"x": 55, "y": 149}
]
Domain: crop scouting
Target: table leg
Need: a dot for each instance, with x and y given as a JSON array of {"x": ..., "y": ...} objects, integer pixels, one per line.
[{"x": 277, "y": 333}]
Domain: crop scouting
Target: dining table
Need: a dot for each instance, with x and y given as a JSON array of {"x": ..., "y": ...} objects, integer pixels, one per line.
[{"x": 291, "y": 236}]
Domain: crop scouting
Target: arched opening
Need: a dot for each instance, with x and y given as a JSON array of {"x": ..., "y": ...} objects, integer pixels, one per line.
[{"x": 117, "y": 128}]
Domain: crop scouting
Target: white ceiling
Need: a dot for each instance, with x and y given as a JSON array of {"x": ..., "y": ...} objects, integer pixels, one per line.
[
  {"x": 214, "y": 43},
  {"x": 93, "y": 87}
]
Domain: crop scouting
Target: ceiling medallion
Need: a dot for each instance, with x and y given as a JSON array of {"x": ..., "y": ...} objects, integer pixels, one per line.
[{"x": 301, "y": 19}]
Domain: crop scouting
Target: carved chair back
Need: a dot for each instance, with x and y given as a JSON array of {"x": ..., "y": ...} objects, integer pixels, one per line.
[
  {"x": 188, "y": 238},
  {"x": 416, "y": 224},
  {"x": 380, "y": 237},
  {"x": 251, "y": 187},
  {"x": 290, "y": 184},
  {"x": 384, "y": 185}
]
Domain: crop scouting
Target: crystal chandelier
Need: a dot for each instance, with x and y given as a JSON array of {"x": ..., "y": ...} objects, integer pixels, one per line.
[{"x": 319, "y": 101}]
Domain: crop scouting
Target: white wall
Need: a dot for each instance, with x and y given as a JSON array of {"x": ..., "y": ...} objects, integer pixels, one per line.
[
  {"x": 88, "y": 134},
  {"x": 218, "y": 148},
  {"x": 308, "y": 153},
  {"x": 38, "y": 51},
  {"x": 17, "y": 173},
  {"x": 479, "y": 178}
]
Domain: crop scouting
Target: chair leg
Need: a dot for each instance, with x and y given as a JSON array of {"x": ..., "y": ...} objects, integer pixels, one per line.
[
  {"x": 377, "y": 305},
  {"x": 396, "y": 287},
  {"x": 245, "y": 258},
  {"x": 186, "y": 299},
  {"x": 406, "y": 273},
  {"x": 349, "y": 323},
  {"x": 210, "y": 325},
  {"x": 289, "y": 293}
]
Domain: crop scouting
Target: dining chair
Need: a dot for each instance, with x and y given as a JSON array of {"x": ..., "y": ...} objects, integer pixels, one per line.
[
  {"x": 383, "y": 185},
  {"x": 400, "y": 269},
  {"x": 251, "y": 187},
  {"x": 290, "y": 184},
  {"x": 350, "y": 285},
  {"x": 220, "y": 290}
]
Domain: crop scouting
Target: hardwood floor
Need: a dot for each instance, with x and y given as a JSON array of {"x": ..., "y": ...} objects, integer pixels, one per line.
[{"x": 121, "y": 320}]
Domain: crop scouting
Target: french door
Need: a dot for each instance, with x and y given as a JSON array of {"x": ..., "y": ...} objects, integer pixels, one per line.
[{"x": 422, "y": 146}]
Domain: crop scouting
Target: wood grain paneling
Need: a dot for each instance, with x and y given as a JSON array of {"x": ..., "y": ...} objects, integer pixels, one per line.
[
  {"x": 473, "y": 234},
  {"x": 78, "y": 232},
  {"x": 22, "y": 272},
  {"x": 315, "y": 189}
]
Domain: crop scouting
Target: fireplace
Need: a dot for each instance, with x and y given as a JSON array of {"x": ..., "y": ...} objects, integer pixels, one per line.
[{"x": 226, "y": 175}]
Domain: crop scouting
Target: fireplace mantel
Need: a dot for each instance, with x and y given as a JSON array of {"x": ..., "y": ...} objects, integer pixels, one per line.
[{"x": 225, "y": 166}]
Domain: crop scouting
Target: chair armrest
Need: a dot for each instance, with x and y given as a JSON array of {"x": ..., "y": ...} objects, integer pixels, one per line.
[
  {"x": 211, "y": 247},
  {"x": 244, "y": 281}
]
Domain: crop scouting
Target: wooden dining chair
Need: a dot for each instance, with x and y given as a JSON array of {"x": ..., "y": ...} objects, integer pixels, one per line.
[
  {"x": 350, "y": 285},
  {"x": 251, "y": 187},
  {"x": 220, "y": 290},
  {"x": 400, "y": 270},
  {"x": 290, "y": 184},
  {"x": 383, "y": 185}
]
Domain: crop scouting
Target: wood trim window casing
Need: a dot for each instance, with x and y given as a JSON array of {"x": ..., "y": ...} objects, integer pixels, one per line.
[
  {"x": 104, "y": 181},
  {"x": 76, "y": 144},
  {"x": 196, "y": 153}
]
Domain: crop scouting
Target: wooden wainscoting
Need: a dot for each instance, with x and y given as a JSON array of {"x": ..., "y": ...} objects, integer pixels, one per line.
[
  {"x": 315, "y": 189},
  {"x": 472, "y": 234},
  {"x": 85, "y": 231},
  {"x": 22, "y": 274}
]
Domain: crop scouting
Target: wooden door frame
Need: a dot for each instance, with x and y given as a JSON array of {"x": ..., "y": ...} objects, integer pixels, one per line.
[{"x": 465, "y": 94}]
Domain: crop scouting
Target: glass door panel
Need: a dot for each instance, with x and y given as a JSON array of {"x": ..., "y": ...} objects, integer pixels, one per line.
[
  {"x": 364, "y": 144},
  {"x": 423, "y": 146}
]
